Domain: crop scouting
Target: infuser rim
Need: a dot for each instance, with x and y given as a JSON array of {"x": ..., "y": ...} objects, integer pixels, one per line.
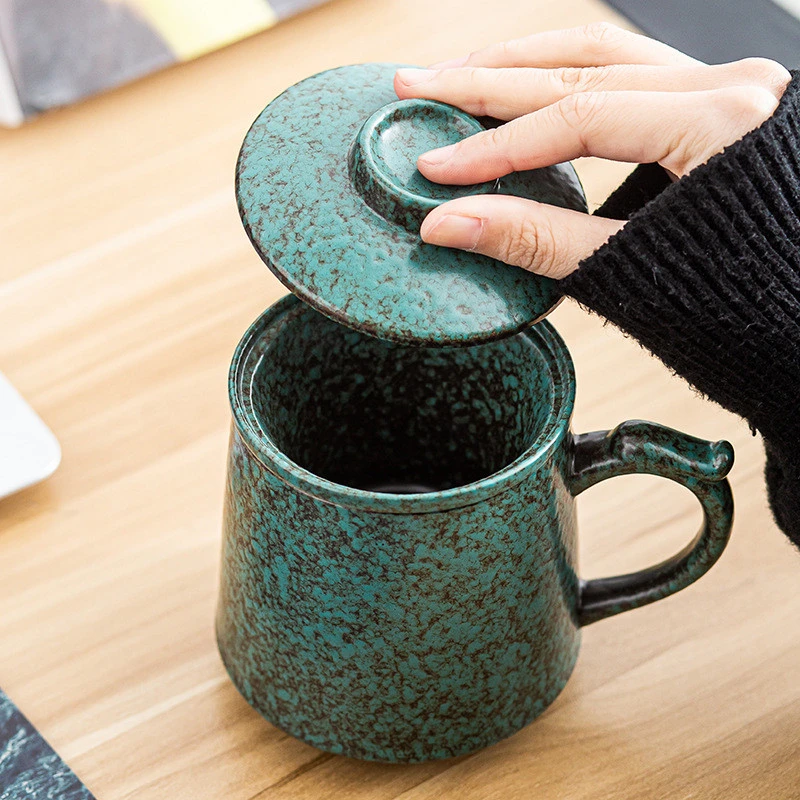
[{"x": 261, "y": 446}]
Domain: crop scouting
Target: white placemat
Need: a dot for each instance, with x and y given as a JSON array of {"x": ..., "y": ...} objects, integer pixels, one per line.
[{"x": 29, "y": 452}]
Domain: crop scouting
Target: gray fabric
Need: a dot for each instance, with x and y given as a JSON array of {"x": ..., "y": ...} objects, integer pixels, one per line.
[
  {"x": 65, "y": 50},
  {"x": 719, "y": 30}
]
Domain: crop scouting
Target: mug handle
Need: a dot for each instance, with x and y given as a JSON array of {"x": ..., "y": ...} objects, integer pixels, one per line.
[{"x": 647, "y": 448}]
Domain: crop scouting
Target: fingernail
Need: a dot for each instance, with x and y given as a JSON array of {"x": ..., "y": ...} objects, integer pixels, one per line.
[
  {"x": 453, "y": 230},
  {"x": 452, "y": 63},
  {"x": 411, "y": 77},
  {"x": 438, "y": 157}
]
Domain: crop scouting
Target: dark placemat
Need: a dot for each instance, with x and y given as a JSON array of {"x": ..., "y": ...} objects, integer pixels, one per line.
[
  {"x": 719, "y": 30},
  {"x": 29, "y": 768}
]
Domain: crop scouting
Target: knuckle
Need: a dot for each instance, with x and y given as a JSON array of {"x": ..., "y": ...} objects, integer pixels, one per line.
[
  {"x": 766, "y": 72},
  {"x": 531, "y": 245},
  {"x": 476, "y": 90},
  {"x": 472, "y": 75},
  {"x": 603, "y": 36},
  {"x": 507, "y": 51},
  {"x": 750, "y": 105},
  {"x": 474, "y": 57},
  {"x": 578, "y": 110},
  {"x": 732, "y": 113},
  {"x": 577, "y": 79},
  {"x": 497, "y": 138},
  {"x": 501, "y": 142}
]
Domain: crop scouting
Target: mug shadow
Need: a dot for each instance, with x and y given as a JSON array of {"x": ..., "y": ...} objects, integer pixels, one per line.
[{"x": 564, "y": 736}]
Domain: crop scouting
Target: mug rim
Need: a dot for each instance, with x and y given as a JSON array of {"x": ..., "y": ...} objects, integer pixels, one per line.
[{"x": 261, "y": 446}]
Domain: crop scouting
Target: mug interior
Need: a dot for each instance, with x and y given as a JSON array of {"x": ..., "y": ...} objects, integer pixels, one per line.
[{"x": 383, "y": 417}]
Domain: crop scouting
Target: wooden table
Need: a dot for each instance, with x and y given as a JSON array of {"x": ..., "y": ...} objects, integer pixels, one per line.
[{"x": 126, "y": 281}]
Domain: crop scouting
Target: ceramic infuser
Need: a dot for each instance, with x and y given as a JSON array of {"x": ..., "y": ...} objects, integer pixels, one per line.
[{"x": 399, "y": 578}]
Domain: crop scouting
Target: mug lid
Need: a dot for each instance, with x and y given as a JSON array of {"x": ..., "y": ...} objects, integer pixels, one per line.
[{"x": 330, "y": 196}]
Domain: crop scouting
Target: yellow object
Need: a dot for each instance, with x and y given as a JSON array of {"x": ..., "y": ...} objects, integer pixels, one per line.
[{"x": 194, "y": 27}]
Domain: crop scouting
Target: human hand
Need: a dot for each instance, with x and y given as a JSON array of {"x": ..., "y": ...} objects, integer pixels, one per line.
[{"x": 592, "y": 91}]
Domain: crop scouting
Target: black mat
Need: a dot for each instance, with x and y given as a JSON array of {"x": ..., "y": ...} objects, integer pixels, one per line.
[{"x": 719, "y": 30}]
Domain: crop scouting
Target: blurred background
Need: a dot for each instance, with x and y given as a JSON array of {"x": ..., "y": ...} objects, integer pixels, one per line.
[
  {"x": 59, "y": 51},
  {"x": 55, "y": 52}
]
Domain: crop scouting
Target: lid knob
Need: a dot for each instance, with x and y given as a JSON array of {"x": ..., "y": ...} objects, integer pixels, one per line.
[
  {"x": 333, "y": 204},
  {"x": 383, "y": 159}
]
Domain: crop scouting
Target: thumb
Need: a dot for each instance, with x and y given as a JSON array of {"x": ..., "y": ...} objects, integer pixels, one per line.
[{"x": 545, "y": 239}]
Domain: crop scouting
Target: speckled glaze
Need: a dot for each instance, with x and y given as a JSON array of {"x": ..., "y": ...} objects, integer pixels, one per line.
[
  {"x": 399, "y": 557},
  {"x": 382, "y": 161},
  {"x": 330, "y": 196}
]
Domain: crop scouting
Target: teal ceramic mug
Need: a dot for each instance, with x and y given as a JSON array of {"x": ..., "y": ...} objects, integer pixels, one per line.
[{"x": 399, "y": 560}]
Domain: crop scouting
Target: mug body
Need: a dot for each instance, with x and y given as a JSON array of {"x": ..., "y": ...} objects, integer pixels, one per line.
[{"x": 398, "y": 571}]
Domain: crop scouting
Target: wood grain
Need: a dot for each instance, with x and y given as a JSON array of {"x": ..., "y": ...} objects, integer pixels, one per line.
[{"x": 125, "y": 283}]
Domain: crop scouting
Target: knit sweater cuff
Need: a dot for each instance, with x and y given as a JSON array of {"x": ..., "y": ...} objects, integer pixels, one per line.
[
  {"x": 782, "y": 474},
  {"x": 706, "y": 273},
  {"x": 644, "y": 184}
]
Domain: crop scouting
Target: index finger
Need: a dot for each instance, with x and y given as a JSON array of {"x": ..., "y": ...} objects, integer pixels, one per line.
[
  {"x": 677, "y": 129},
  {"x": 595, "y": 45}
]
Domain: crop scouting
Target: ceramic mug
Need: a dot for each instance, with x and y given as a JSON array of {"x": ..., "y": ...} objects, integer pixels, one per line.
[{"x": 399, "y": 558}]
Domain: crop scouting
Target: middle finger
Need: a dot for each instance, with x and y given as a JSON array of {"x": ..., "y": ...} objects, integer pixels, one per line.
[
  {"x": 678, "y": 129},
  {"x": 508, "y": 93}
]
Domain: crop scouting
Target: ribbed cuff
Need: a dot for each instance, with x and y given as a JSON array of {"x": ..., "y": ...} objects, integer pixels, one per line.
[
  {"x": 644, "y": 184},
  {"x": 706, "y": 274},
  {"x": 782, "y": 474}
]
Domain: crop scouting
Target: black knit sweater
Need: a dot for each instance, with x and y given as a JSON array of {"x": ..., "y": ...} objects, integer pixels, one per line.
[{"x": 706, "y": 275}]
